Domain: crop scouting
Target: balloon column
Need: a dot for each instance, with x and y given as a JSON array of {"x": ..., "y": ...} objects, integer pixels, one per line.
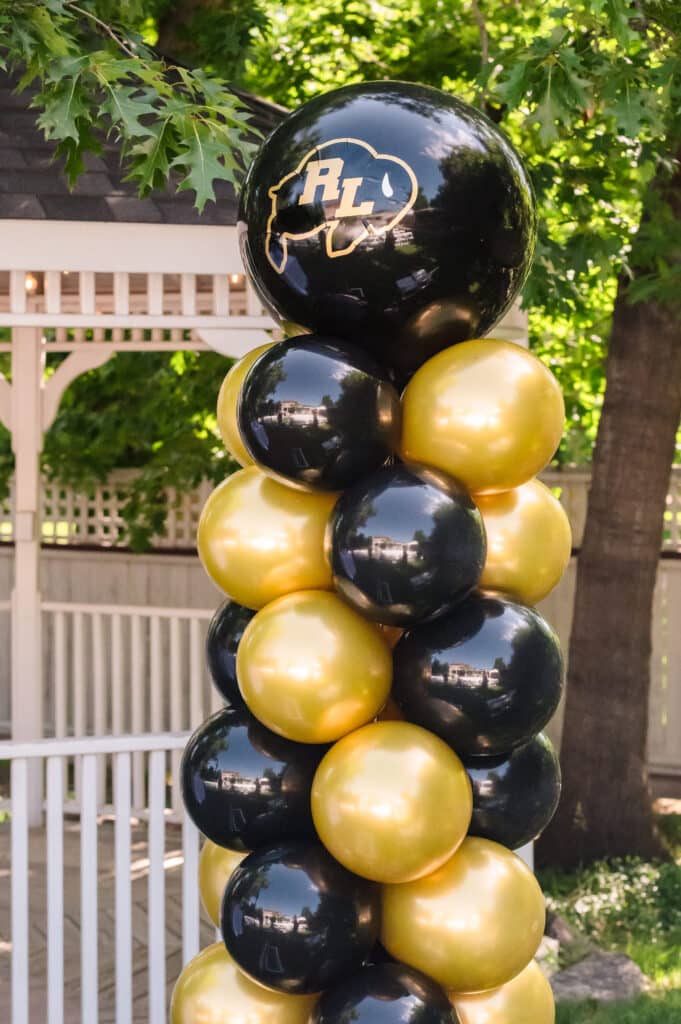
[{"x": 380, "y": 756}]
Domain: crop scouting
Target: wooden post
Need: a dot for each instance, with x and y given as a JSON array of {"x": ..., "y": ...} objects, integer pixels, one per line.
[{"x": 27, "y": 674}]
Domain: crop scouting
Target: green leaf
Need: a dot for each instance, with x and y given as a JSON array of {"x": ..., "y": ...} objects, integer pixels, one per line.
[
  {"x": 126, "y": 106},
  {"x": 151, "y": 158},
  {"x": 63, "y": 104},
  {"x": 204, "y": 161}
]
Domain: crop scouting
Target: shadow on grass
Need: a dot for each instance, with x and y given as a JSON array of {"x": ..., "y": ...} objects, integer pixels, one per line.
[{"x": 664, "y": 1008}]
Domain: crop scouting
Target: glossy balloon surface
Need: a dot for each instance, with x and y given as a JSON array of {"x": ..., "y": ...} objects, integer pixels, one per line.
[
  {"x": 259, "y": 540},
  {"x": 387, "y": 994},
  {"x": 216, "y": 864},
  {"x": 488, "y": 412},
  {"x": 527, "y": 999},
  {"x": 515, "y": 795},
  {"x": 243, "y": 785},
  {"x": 228, "y": 403},
  {"x": 471, "y": 925},
  {"x": 485, "y": 678},
  {"x": 296, "y": 921},
  {"x": 391, "y": 212},
  {"x": 313, "y": 669},
  {"x": 406, "y": 544},
  {"x": 318, "y": 413},
  {"x": 391, "y": 802},
  {"x": 222, "y": 641},
  {"x": 529, "y": 542},
  {"x": 212, "y": 990}
]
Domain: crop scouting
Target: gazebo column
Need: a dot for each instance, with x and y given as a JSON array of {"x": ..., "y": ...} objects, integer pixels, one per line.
[{"x": 26, "y": 665}]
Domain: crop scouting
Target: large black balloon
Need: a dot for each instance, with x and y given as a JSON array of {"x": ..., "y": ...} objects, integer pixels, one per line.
[
  {"x": 222, "y": 640},
  {"x": 485, "y": 678},
  {"x": 243, "y": 785},
  {"x": 515, "y": 795},
  {"x": 407, "y": 543},
  {"x": 297, "y": 921},
  {"x": 318, "y": 413},
  {"x": 392, "y": 213},
  {"x": 385, "y": 994}
]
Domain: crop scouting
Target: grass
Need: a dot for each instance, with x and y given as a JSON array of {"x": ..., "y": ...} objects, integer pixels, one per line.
[
  {"x": 662, "y": 1008},
  {"x": 633, "y": 907}
]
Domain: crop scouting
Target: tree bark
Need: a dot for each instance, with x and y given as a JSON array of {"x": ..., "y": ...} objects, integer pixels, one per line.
[{"x": 606, "y": 806}]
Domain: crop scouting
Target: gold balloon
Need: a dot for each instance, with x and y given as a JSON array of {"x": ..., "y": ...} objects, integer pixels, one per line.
[
  {"x": 212, "y": 990},
  {"x": 391, "y": 802},
  {"x": 488, "y": 412},
  {"x": 312, "y": 669},
  {"x": 528, "y": 542},
  {"x": 216, "y": 865},
  {"x": 258, "y": 539},
  {"x": 473, "y": 924},
  {"x": 527, "y": 999},
  {"x": 228, "y": 401}
]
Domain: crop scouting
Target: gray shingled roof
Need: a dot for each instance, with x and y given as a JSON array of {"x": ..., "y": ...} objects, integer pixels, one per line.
[{"x": 34, "y": 187}]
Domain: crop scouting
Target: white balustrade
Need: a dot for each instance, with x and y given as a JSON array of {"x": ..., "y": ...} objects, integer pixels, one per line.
[{"x": 106, "y": 927}]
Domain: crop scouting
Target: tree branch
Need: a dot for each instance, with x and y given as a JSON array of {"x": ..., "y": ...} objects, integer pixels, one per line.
[
  {"x": 107, "y": 29},
  {"x": 484, "y": 35}
]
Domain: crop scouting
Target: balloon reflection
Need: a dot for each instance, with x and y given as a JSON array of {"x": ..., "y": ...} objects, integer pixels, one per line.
[
  {"x": 295, "y": 920},
  {"x": 515, "y": 795},
  {"x": 318, "y": 413},
  {"x": 222, "y": 641},
  {"x": 485, "y": 678},
  {"x": 243, "y": 785},
  {"x": 406, "y": 544},
  {"x": 388, "y": 993}
]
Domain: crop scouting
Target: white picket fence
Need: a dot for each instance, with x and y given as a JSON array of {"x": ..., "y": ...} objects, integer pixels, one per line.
[{"x": 38, "y": 989}]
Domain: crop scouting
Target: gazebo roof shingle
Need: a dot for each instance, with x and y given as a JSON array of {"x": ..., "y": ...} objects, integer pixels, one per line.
[{"x": 33, "y": 185}]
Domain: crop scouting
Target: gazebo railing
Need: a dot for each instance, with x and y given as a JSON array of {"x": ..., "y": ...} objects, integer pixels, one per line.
[{"x": 126, "y": 924}]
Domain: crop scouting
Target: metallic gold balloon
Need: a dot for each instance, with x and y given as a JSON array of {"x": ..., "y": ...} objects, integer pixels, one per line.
[
  {"x": 228, "y": 400},
  {"x": 258, "y": 539},
  {"x": 216, "y": 865},
  {"x": 527, "y": 999},
  {"x": 528, "y": 542},
  {"x": 486, "y": 411},
  {"x": 391, "y": 802},
  {"x": 473, "y": 924},
  {"x": 212, "y": 990},
  {"x": 312, "y": 669}
]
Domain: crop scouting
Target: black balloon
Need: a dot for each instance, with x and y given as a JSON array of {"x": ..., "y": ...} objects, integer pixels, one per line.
[
  {"x": 222, "y": 640},
  {"x": 515, "y": 795},
  {"x": 392, "y": 213},
  {"x": 385, "y": 994},
  {"x": 296, "y": 921},
  {"x": 407, "y": 543},
  {"x": 485, "y": 678},
  {"x": 243, "y": 785},
  {"x": 318, "y": 413}
]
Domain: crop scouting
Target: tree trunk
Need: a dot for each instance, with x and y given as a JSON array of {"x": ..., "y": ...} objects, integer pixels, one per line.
[{"x": 606, "y": 807}]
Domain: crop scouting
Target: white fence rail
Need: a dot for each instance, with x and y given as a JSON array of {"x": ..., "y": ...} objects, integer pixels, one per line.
[{"x": 103, "y": 913}]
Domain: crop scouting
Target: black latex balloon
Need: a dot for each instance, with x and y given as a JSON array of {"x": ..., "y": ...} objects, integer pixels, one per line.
[
  {"x": 222, "y": 640},
  {"x": 385, "y": 994},
  {"x": 407, "y": 544},
  {"x": 485, "y": 678},
  {"x": 515, "y": 795},
  {"x": 392, "y": 213},
  {"x": 295, "y": 920},
  {"x": 243, "y": 785},
  {"x": 318, "y": 413}
]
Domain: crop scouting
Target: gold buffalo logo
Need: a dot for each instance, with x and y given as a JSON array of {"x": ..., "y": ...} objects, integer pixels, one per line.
[{"x": 343, "y": 188}]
